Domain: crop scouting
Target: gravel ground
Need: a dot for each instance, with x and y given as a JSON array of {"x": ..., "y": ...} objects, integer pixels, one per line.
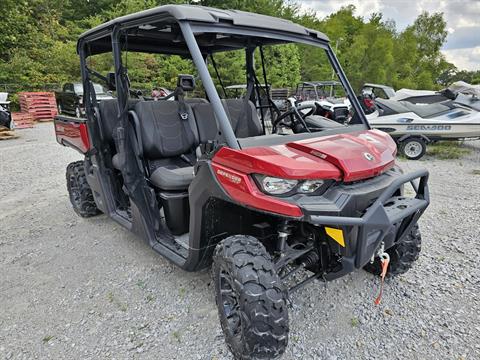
[{"x": 72, "y": 288}]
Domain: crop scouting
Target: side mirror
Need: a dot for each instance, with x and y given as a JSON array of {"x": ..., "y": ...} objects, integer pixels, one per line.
[
  {"x": 186, "y": 82},
  {"x": 111, "y": 85}
]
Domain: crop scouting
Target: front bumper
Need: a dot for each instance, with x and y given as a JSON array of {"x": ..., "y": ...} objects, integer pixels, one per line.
[{"x": 387, "y": 220}]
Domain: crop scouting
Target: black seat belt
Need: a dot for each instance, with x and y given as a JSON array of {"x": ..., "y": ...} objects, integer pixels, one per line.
[{"x": 184, "y": 117}]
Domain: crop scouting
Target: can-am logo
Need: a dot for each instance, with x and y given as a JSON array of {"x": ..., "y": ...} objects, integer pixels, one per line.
[
  {"x": 233, "y": 178},
  {"x": 429, "y": 127},
  {"x": 368, "y": 156}
]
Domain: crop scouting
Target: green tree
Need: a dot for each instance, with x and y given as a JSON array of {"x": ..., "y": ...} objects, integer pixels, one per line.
[{"x": 38, "y": 46}]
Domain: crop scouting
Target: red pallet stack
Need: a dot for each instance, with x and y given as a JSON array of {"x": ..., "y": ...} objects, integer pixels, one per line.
[
  {"x": 41, "y": 105},
  {"x": 22, "y": 120}
]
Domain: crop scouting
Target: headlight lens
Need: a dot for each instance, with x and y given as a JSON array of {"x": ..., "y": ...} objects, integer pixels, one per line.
[
  {"x": 310, "y": 186},
  {"x": 277, "y": 186},
  {"x": 287, "y": 187}
]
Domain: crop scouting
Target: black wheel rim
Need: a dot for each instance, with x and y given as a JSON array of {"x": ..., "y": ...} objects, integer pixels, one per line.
[
  {"x": 230, "y": 305},
  {"x": 74, "y": 192}
]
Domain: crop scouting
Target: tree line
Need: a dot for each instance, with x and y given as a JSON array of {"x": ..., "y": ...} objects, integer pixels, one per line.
[{"x": 38, "y": 46}]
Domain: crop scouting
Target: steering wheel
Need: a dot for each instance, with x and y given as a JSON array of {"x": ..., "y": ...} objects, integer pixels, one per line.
[{"x": 294, "y": 118}]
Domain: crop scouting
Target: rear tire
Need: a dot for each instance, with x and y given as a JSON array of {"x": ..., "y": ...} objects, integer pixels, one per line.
[
  {"x": 79, "y": 191},
  {"x": 413, "y": 148},
  {"x": 402, "y": 255},
  {"x": 250, "y": 298}
]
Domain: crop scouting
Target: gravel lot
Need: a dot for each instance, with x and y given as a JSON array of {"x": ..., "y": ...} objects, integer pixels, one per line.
[{"x": 72, "y": 288}]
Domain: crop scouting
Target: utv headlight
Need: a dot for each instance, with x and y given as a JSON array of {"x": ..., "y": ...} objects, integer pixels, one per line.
[
  {"x": 310, "y": 186},
  {"x": 277, "y": 186},
  {"x": 287, "y": 187}
]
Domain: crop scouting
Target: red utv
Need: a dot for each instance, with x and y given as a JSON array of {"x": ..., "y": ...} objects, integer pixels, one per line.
[{"x": 201, "y": 181}]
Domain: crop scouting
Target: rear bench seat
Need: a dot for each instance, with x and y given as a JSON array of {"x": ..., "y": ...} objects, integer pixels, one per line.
[
  {"x": 109, "y": 119},
  {"x": 109, "y": 114},
  {"x": 169, "y": 142}
]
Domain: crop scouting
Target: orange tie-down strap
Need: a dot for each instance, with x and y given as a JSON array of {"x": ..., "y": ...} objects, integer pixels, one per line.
[{"x": 385, "y": 259}]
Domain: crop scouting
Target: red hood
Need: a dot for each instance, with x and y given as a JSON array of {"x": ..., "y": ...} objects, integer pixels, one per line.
[{"x": 351, "y": 157}]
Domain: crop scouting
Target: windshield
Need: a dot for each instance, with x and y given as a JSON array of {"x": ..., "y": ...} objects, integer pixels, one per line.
[
  {"x": 98, "y": 89},
  {"x": 299, "y": 76}
]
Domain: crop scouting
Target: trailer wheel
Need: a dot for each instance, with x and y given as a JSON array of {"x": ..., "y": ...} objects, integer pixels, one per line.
[
  {"x": 402, "y": 255},
  {"x": 250, "y": 298},
  {"x": 413, "y": 148},
  {"x": 79, "y": 191}
]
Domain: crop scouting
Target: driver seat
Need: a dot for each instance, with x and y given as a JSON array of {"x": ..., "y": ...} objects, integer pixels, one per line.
[{"x": 242, "y": 116}]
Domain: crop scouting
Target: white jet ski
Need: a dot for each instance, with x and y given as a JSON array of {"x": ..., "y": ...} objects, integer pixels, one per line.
[{"x": 414, "y": 125}]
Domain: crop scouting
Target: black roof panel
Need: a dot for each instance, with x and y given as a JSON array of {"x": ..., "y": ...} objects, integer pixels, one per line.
[{"x": 99, "y": 38}]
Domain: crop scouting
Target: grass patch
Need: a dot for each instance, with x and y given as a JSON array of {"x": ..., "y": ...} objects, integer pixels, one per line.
[
  {"x": 354, "y": 322},
  {"x": 141, "y": 284},
  {"x": 476, "y": 172},
  {"x": 113, "y": 300},
  {"x": 47, "y": 338},
  {"x": 176, "y": 335},
  {"x": 447, "y": 150},
  {"x": 181, "y": 292}
]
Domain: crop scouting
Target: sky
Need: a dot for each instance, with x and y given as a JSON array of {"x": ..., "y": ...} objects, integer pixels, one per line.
[{"x": 462, "y": 47}]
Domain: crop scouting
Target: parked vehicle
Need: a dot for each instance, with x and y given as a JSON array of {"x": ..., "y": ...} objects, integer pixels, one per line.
[
  {"x": 378, "y": 91},
  {"x": 414, "y": 126},
  {"x": 415, "y": 118},
  {"x": 328, "y": 96},
  {"x": 202, "y": 183},
  {"x": 460, "y": 91},
  {"x": 71, "y": 100},
  {"x": 5, "y": 114},
  {"x": 160, "y": 92}
]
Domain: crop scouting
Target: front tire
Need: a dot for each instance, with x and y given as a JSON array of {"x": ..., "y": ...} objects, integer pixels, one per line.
[
  {"x": 250, "y": 299},
  {"x": 413, "y": 148},
  {"x": 402, "y": 255},
  {"x": 79, "y": 191}
]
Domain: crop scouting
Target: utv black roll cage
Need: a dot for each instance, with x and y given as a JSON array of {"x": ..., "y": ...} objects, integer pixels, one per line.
[{"x": 196, "y": 32}]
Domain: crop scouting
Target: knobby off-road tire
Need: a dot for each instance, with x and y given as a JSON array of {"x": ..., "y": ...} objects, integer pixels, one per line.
[
  {"x": 402, "y": 255},
  {"x": 79, "y": 191},
  {"x": 250, "y": 298}
]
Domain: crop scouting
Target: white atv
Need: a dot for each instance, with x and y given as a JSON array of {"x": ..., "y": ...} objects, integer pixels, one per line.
[{"x": 328, "y": 97}]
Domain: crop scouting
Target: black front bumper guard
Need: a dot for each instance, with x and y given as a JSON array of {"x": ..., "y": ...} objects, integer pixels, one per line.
[{"x": 388, "y": 213}]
